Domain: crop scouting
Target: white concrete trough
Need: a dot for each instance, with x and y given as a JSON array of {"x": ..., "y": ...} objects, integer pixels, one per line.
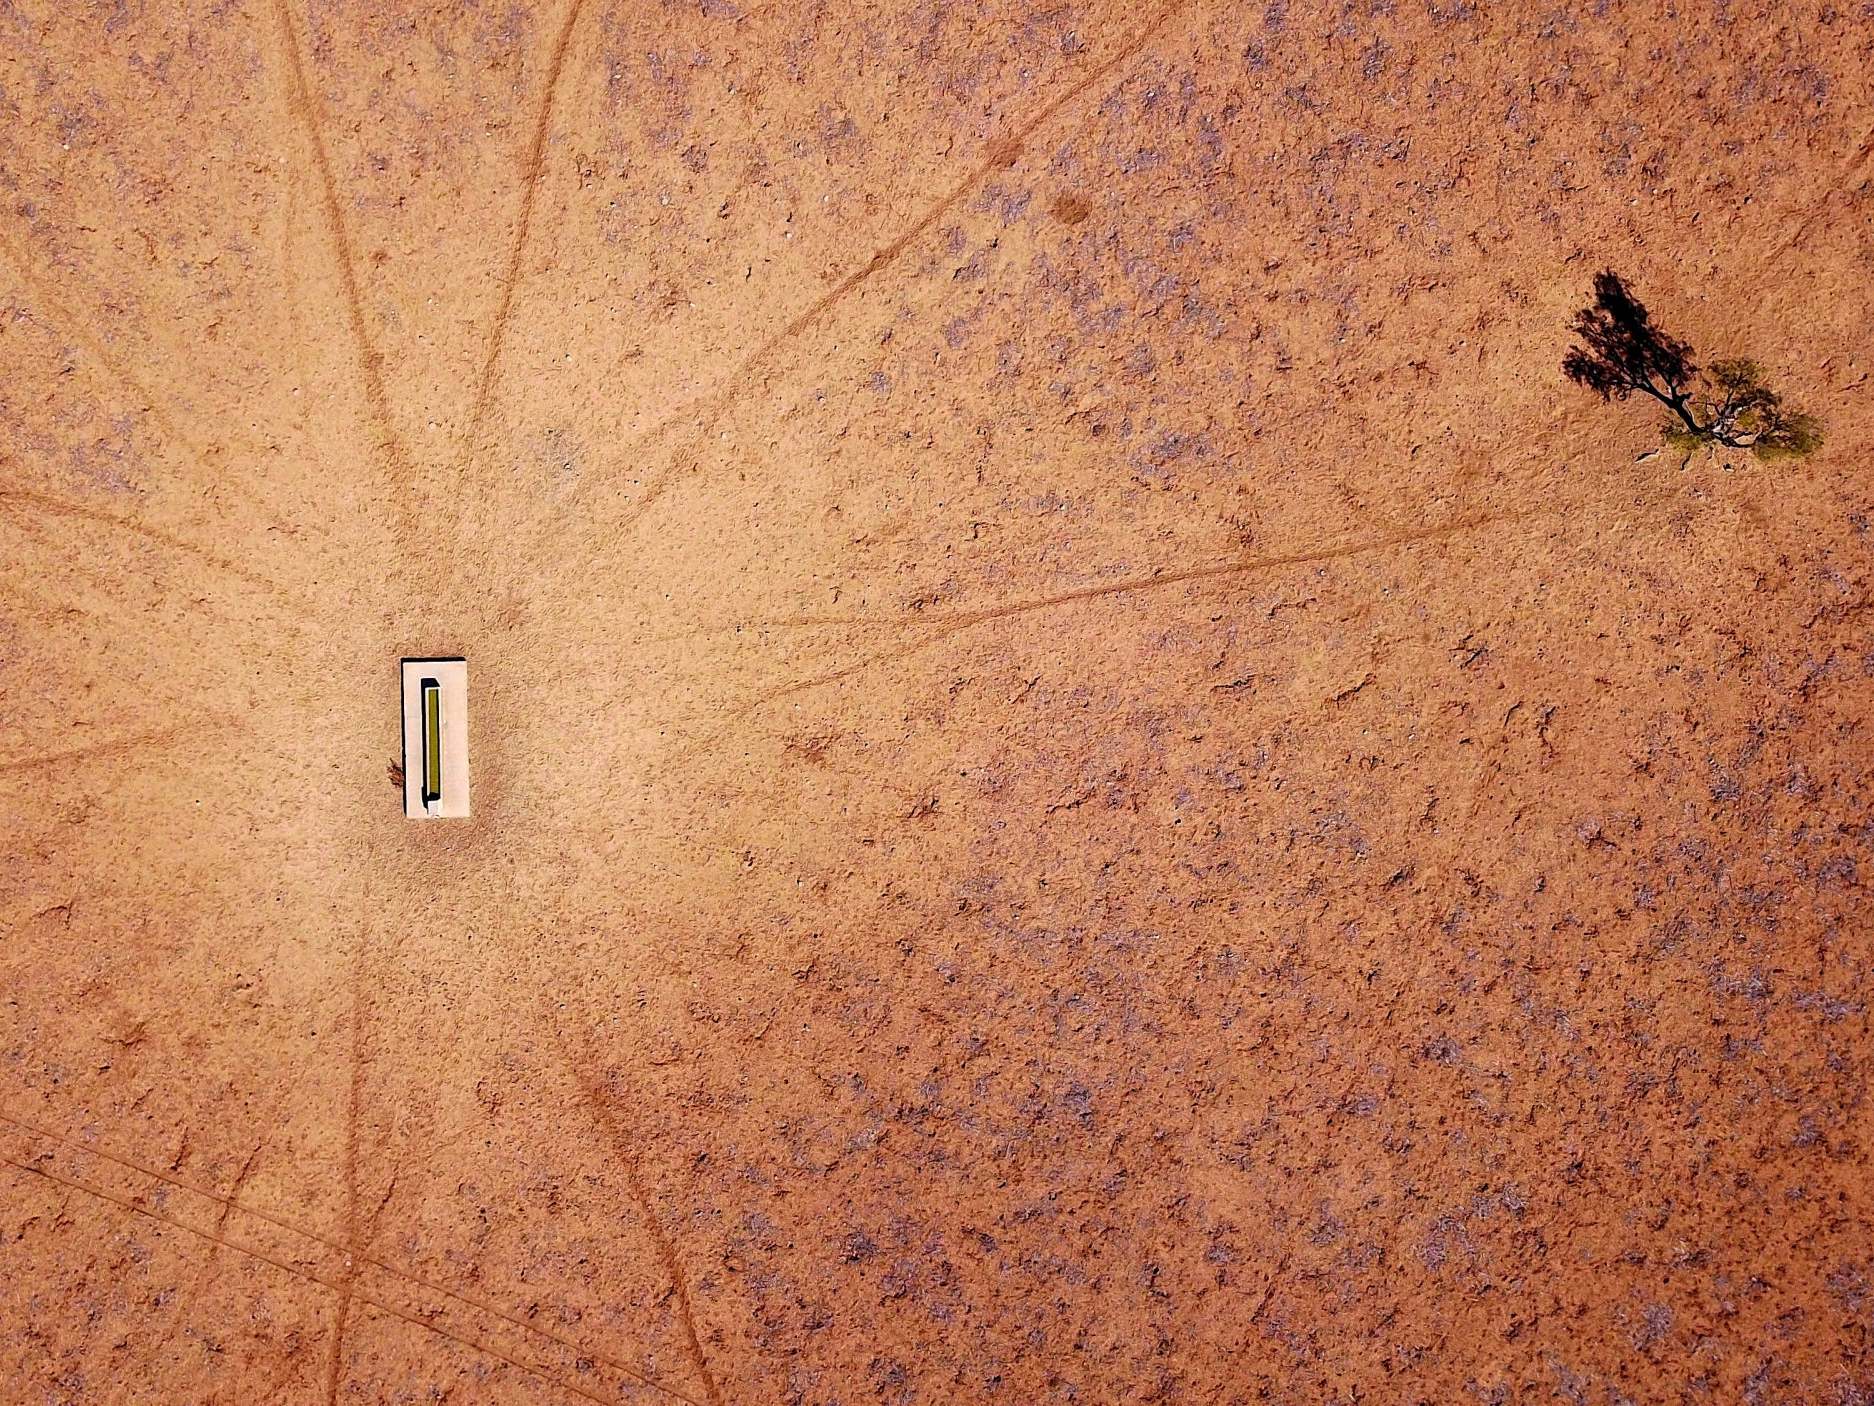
[{"x": 435, "y": 739}]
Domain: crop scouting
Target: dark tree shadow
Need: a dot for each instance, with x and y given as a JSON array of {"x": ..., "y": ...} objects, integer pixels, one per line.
[{"x": 1726, "y": 403}]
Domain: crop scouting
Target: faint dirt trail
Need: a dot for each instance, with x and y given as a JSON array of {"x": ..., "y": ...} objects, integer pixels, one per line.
[
  {"x": 403, "y": 487},
  {"x": 334, "y": 1363},
  {"x": 939, "y": 628},
  {"x": 626, "y": 1148},
  {"x": 510, "y": 278},
  {"x": 211, "y": 1265},
  {"x": 298, "y": 1272},
  {"x": 116, "y": 747},
  {"x": 335, "y": 1281},
  {"x": 58, "y": 507},
  {"x": 145, "y": 400},
  {"x": 303, "y": 105},
  {"x": 709, "y": 411}
]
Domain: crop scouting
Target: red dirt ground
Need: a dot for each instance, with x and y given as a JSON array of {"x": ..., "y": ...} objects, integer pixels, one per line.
[{"x": 1093, "y": 782}]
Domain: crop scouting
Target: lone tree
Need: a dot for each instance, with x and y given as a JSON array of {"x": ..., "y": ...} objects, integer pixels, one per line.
[{"x": 1727, "y": 403}]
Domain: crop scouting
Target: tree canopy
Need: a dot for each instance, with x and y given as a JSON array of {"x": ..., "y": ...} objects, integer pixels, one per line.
[{"x": 1621, "y": 351}]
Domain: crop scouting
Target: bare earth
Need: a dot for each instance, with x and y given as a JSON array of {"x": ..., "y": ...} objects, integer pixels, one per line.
[{"x": 1093, "y": 782}]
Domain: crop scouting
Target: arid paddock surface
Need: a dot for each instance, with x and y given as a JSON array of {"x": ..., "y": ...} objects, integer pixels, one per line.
[{"x": 1093, "y": 781}]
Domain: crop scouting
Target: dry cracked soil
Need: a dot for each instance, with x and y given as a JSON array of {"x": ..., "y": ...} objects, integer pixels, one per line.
[{"x": 1093, "y": 781}]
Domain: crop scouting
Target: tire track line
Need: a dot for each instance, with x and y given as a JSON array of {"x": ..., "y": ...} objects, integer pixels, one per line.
[
  {"x": 304, "y": 107},
  {"x": 308, "y": 1276},
  {"x": 115, "y": 748},
  {"x": 626, "y": 1150},
  {"x": 510, "y": 279},
  {"x": 146, "y": 400},
  {"x": 58, "y": 507},
  {"x": 941, "y": 628},
  {"x": 339, "y": 1246},
  {"x": 354, "y": 1094},
  {"x": 710, "y": 408}
]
